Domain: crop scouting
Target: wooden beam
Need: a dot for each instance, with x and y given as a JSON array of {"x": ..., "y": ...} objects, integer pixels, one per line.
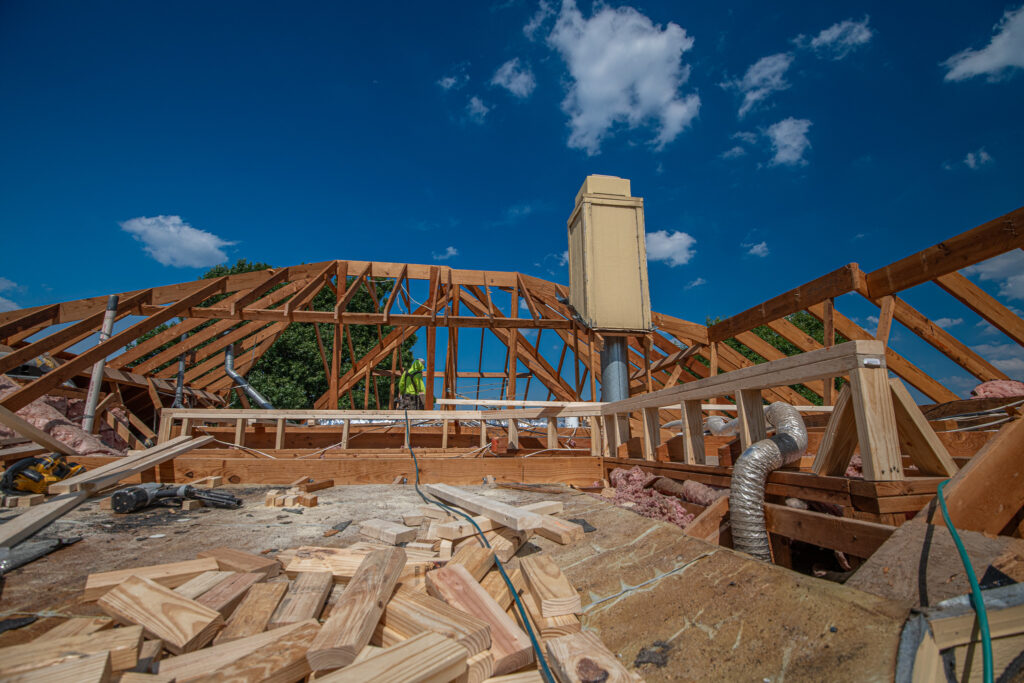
[
  {"x": 267, "y": 281},
  {"x": 23, "y": 319},
  {"x": 888, "y": 303},
  {"x": 983, "y": 242},
  {"x": 979, "y": 301},
  {"x": 511, "y": 517},
  {"x": 847, "y": 535},
  {"x": 31, "y": 432}
]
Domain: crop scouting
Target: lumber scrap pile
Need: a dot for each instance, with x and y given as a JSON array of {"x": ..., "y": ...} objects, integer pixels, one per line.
[{"x": 372, "y": 611}]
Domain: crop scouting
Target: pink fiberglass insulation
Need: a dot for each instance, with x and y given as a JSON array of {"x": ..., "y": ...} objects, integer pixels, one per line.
[
  {"x": 998, "y": 388},
  {"x": 701, "y": 494},
  {"x": 631, "y": 487}
]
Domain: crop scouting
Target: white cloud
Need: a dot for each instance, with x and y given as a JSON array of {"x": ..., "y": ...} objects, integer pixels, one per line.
[
  {"x": 517, "y": 80},
  {"x": 456, "y": 79},
  {"x": 765, "y": 76},
  {"x": 759, "y": 249},
  {"x": 696, "y": 283},
  {"x": 6, "y": 284},
  {"x": 1003, "y": 54},
  {"x": 745, "y": 136},
  {"x": 873, "y": 319},
  {"x": 1006, "y": 269},
  {"x": 839, "y": 39},
  {"x": 975, "y": 160},
  {"x": 625, "y": 70},
  {"x": 446, "y": 254},
  {"x": 946, "y": 323},
  {"x": 7, "y": 305},
  {"x": 674, "y": 248},
  {"x": 544, "y": 10},
  {"x": 173, "y": 242},
  {"x": 733, "y": 152},
  {"x": 1007, "y": 357},
  {"x": 563, "y": 258},
  {"x": 789, "y": 140},
  {"x": 477, "y": 110}
]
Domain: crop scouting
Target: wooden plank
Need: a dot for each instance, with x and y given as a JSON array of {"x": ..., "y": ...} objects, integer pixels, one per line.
[
  {"x": 511, "y": 517},
  {"x": 708, "y": 522},
  {"x": 182, "y": 624},
  {"x": 387, "y": 532},
  {"x": 78, "y": 626},
  {"x": 425, "y": 658},
  {"x": 353, "y": 618},
  {"x": 985, "y": 241},
  {"x": 1005, "y": 653},
  {"x": 546, "y": 627},
  {"x": 750, "y": 411},
  {"x": 122, "y": 644},
  {"x": 198, "y": 585},
  {"x": 89, "y": 669},
  {"x": 651, "y": 432},
  {"x": 549, "y": 586},
  {"x": 888, "y": 304},
  {"x": 917, "y": 438},
  {"x": 693, "y": 436},
  {"x": 494, "y": 584},
  {"x": 304, "y": 599},
  {"x": 27, "y": 430},
  {"x": 27, "y": 523},
  {"x": 984, "y": 304},
  {"x": 560, "y": 530},
  {"x": 232, "y": 559},
  {"x": 343, "y": 562},
  {"x": 253, "y": 613},
  {"x": 192, "y": 666},
  {"x": 876, "y": 424},
  {"x": 840, "y": 438},
  {"x": 170, "y": 575},
  {"x": 583, "y": 658},
  {"x": 828, "y": 286},
  {"x": 509, "y": 645},
  {"x": 226, "y": 595},
  {"x": 280, "y": 661},
  {"x": 410, "y": 612},
  {"x": 476, "y": 559},
  {"x": 851, "y": 536},
  {"x": 148, "y": 461}
]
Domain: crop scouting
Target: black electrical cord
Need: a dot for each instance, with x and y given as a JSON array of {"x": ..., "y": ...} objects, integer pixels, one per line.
[{"x": 545, "y": 671}]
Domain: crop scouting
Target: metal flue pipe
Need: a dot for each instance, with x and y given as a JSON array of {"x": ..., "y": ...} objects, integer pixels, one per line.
[{"x": 96, "y": 379}]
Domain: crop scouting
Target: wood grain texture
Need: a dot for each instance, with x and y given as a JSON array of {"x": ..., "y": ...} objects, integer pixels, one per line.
[
  {"x": 424, "y": 658},
  {"x": 182, "y": 624},
  {"x": 409, "y": 613},
  {"x": 281, "y": 661},
  {"x": 343, "y": 562},
  {"x": 304, "y": 599},
  {"x": 198, "y": 585},
  {"x": 476, "y": 559},
  {"x": 511, "y": 647},
  {"x": 78, "y": 626},
  {"x": 387, "y": 532},
  {"x": 458, "y": 529},
  {"x": 512, "y": 517},
  {"x": 226, "y": 595},
  {"x": 170, "y": 575},
  {"x": 494, "y": 584},
  {"x": 27, "y": 523},
  {"x": 232, "y": 559},
  {"x": 583, "y": 658},
  {"x": 545, "y": 627},
  {"x": 89, "y": 669},
  {"x": 479, "y": 668},
  {"x": 555, "y": 595},
  {"x": 122, "y": 644},
  {"x": 253, "y": 614},
  {"x": 353, "y": 618}
]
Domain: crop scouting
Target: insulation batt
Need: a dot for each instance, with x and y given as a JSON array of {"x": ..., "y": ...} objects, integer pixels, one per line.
[
  {"x": 631, "y": 486},
  {"x": 998, "y": 388}
]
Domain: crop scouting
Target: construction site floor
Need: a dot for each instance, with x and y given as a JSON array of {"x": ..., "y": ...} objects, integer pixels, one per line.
[{"x": 673, "y": 607}]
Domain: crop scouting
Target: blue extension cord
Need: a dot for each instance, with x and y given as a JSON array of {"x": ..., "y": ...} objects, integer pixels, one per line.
[
  {"x": 508, "y": 582},
  {"x": 976, "y": 599}
]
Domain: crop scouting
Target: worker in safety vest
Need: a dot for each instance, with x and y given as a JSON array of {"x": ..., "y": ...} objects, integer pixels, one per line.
[{"x": 411, "y": 388}]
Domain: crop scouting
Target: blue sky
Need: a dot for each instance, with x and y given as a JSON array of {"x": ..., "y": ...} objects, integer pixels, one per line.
[{"x": 143, "y": 142}]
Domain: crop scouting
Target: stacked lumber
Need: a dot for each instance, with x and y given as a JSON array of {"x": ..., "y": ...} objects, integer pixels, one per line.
[{"x": 372, "y": 611}]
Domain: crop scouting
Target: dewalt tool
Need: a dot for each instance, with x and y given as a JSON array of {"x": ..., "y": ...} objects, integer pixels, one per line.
[
  {"x": 34, "y": 475},
  {"x": 142, "y": 496}
]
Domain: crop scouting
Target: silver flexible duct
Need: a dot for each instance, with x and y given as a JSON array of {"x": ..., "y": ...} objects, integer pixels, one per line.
[
  {"x": 750, "y": 474},
  {"x": 722, "y": 426},
  {"x": 243, "y": 384}
]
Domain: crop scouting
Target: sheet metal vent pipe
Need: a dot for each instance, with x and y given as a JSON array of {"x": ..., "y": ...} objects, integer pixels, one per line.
[
  {"x": 179, "y": 390},
  {"x": 96, "y": 378},
  {"x": 243, "y": 384},
  {"x": 750, "y": 474},
  {"x": 614, "y": 370}
]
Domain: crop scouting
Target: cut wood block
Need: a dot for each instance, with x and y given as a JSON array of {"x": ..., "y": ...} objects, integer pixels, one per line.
[
  {"x": 460, "y": 528},
  {"x": 193, "y": 588},
  {"x": 184, "y": 625},
  {"x": 290, "y": 501},
  {"x": 429, "y": 534},
  {"x": 494, "y": 584},
  {"x": 409, "y": 613},
  {"x": 170, "y": 575},
  {"x": 352, "y": 620},
  {"x": 549, "y": 586},
  {"x": 475, "y": 558},
  {"x": 548, "y": 627},
  {"x": 226, "y": 595},
  {"x": 521, "y": 677},
  {"x": 208, "y": 482},
  {"x": 137, "y": 677},
  {"x": 316, "y": 485},
  {"x": 231, "y": 559},
  {"x": 279, "y": 501},
  {"x": 511, "y": 647},
  {"x": 149, "y": 654},
  {"x": 91, "y": 669},
  {"x": 413, "y": 519},
  {"x": 422, "y": 658},
  {"x": 479, "y": 668},
  {"x": 583, "y": 658},
  {"x": 560, "y": 530},
  {"x": 122, "y": 644},
  {"x": 29, "y": 500},
  {"x": 444, "y": 550},
  {"x": 388, "y": 532},
  {"x": 504, "y": 542},
  {"x": 367, "y": 652},
  {"x": 307, "y": 500},
  {"x": 281, "y": 661},
  {"x": 189, "y": 504},
  {"x": 505, "y": 514},
  {"x": 78, "y": 626},
  {"x": 434, "y": 512},
  {"x": 191, "y": 667},
  {"x": 304, "y": 599},
  {"x": 270, "y": 497},
  {"x": 253, "y": 613},
  {"x": 343, "y": 562},
  {"x": 425, "y": 547}
]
